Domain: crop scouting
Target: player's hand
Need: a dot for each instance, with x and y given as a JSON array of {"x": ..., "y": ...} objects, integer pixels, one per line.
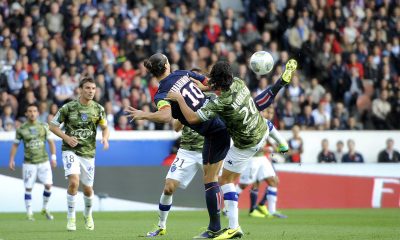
[
  {"x": 202, "y": 87},
  {"x": 53, "y": 163},
  {"x": 173, "y": 96},
  {"x": 283, "y": 148},
  {"x": 72, "y": 141},
  {"x": 105, "y": 144},
  {"x": 134, "y": 113},
  {"x": 11, "y": 165}
]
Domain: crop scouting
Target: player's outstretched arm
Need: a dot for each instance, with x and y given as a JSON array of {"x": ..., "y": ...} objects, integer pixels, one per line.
[
  {"x": 13, "y": 151},
  {"x": 274, "y": 134},
  {"x": 164, "y": 115},
  {"x": 53, "y": 157},
  {"x": 187, "y": 112}
]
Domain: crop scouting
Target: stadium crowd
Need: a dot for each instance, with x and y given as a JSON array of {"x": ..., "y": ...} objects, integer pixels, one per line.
[{"x": 348, "y": 53}]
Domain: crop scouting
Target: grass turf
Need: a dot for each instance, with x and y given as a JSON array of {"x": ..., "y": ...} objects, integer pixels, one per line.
[{"x": 343, "y": 224}]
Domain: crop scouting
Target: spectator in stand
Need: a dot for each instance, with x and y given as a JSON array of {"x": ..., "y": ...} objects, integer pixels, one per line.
[
  {"x": 339, "y": 151},
  {"x": 7, "y": 117},
  {"x": 326, "y": 156},
  {"x": 321, "y": 118},
  {"x": 123, "y": 124},
  {"x": 389, "y": 155},
  {"x": 352, "y": 156},
  {"x": 380, "y": 111},
  {"x": 353, "y": 88},
  {"x": 306, "y": 120},
  {"x": 288, "y": 117},
  {"x": 295, "y": 146},
  {"x": 316, "y": 91}
]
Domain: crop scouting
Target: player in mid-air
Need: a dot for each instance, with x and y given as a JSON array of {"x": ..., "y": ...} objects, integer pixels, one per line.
[
  {"x": 36, "y": 164},
  {"x": 186, "y": 164},
  {"x": 81, "y": 118},
  {"x": 216, "y": 137},
  {"x": 244, "y": 123},
  {"x": 260, "y": 169}
]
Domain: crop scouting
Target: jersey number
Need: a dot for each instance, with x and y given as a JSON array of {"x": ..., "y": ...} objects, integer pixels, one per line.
[
  {"x": 194, "y": 90},
  {"x": 253, "y": 110}
]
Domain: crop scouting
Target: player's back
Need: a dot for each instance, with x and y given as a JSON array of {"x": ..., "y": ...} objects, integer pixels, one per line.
[
  {"x": 244, "y": 122},
  {"x": 179, "y": 81}
]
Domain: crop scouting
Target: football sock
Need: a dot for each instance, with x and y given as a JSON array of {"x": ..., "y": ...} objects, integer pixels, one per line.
[
  {"x": 71, "y": 205},
  {"x": 46, "y": 198},
  {"x": 88, "y": 205},
  {"x": 253, "y": 199},
  {"x": 231, "y": 204},
  {"x": 164, "y": 206},
  {"x": 266, "y": 98},
  {"x": 28, "y": 202},
  {"x": 213, "y": 202},
  {"x": 272, "y": 199}
]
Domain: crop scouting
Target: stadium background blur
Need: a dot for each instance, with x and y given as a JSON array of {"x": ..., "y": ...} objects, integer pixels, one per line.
[{"x": 348, "y": 53}]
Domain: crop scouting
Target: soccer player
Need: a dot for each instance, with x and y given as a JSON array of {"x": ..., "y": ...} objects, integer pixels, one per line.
[
  {"x": 260, "y": 169},
  {"x": 216, "y": 136},
  {"x": 34, "y": 134},
  {"x": 186, "y": 164},
  {"x": 81, "y": 118},
  {"x": 244, "y": 123}
]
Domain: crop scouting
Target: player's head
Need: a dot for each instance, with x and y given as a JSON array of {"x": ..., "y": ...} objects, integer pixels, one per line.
[
  {"x": 221, "y": 77},
  {"x": 269, "y": 113},
  {"x": 157, "y": 65},
  {"x": 32, "y": 112},
  {"x": 87, "y": 86}
]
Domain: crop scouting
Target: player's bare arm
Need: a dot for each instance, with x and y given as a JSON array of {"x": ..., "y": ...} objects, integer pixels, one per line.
[
  {"x": 177, "y": 125},
  {"x": 190, "y": 116},
  {"x": 11, "y": 163},
  {"x": 105, "y": 136},
  {"x": 164, "y": 115},
  {"x": 71, "y": 141},
  {"x": 53, "y": 158}
]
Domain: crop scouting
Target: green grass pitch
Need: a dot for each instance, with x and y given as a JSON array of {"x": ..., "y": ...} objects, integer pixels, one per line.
[{"x": 343, "y": 224}]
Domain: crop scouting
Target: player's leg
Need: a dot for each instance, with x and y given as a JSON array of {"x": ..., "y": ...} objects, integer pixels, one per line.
[
  {"x": 72, "y": 172},
  {"x": 46, "y": 177},
  {"x": 215, "y": 149},
  {"x": 87, "y": 179},
  {"x": 266, "y": 98},
  {"x": 29, "y": 172}
]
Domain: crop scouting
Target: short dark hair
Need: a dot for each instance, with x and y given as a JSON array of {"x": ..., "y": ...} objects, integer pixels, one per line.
[
  {"x": 31, "y": 105},
  {"x": 221, "y": 76},
  {"x": 86, "y": 79},
  {"x": 156, "y": 64}
]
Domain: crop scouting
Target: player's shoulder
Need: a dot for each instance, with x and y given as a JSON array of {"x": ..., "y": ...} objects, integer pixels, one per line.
[
  {"x": 74, "y": 104},
  {"x": 98, "y": 106}
]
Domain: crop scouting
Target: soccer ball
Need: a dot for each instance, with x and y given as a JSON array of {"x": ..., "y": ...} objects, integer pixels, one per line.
[{"x": 261, "y": 62}]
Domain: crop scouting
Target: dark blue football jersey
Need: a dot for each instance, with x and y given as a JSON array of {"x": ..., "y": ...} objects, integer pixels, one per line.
[{"x": 180, "y": 81}]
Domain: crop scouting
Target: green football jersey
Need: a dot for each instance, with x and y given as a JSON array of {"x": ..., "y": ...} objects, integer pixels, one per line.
[
  {"x": 34, "y": 135},
  {"x": 237, "y": 109},
  {"x": 81, "y": 121},
  {"x": 191, "y": 140}
]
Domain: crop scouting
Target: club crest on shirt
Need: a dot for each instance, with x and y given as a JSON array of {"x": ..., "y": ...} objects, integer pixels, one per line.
[
  {"x": 173, "y": 168},
  {"x": 33, "y": 131},
  {"x": 84, "y": 116}
]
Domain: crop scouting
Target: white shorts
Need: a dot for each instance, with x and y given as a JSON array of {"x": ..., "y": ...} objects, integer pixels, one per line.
[
  {"x": 237, "y": 159},
  {"x": 185, "y": 166},
  {"x": 42, "y": 171},
  {"x": 258, "y": 169},
  {"x": 74, "y": 164}
]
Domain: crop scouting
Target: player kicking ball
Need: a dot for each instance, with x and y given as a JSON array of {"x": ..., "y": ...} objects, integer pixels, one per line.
[
  {"x": 260, "y": 169},
  {"x": 81, "y": 118},
  {"x": 245, "y": 125},
  {"x": 188, "y": 161},
  {"x": 36, "y": 164}
]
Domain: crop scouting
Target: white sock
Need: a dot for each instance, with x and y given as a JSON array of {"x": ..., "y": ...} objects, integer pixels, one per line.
[
  {"x": 46, "y": 198},
  {"x": 88, "y": 205},
  {"x": 28, "y": 202},
  {"x": 164, "y": 207},
  {"x": 272, "y": 199},
  {"x": 231, "y": 204},
  {"x": 71, "y": 199}
]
